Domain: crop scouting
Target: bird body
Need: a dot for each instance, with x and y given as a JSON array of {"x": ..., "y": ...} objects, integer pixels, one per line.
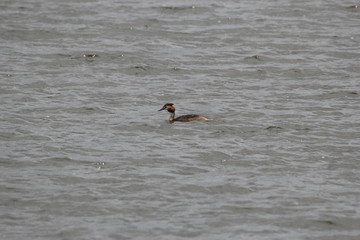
[{"x": 185, "y": 118}]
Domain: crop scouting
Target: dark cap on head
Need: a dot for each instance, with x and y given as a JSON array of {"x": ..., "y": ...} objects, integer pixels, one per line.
[{"x": 166, "y": 106}]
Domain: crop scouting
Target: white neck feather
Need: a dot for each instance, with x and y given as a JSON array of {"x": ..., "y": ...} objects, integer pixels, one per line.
[{"x": 172, "y": 117}]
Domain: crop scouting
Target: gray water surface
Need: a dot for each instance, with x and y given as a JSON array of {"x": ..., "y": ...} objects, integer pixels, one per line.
[{"x": 86, "y": 155}]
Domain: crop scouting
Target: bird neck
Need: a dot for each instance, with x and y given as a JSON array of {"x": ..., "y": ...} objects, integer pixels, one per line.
[{"x": 172, "y": 116}]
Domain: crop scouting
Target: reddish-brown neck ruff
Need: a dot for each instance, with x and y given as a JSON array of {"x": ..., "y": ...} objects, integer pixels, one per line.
[{"x": 171, "y": 109}]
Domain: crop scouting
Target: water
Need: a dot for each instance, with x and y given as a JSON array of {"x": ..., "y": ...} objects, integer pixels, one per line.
[{"x": 86, "y": 154}]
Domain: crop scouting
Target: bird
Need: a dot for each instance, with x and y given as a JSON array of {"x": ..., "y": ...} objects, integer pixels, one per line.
[{"x": 185, "y": 118}]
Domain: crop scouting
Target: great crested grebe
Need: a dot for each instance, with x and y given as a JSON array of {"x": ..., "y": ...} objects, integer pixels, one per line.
[{"x": 185, "y": 118}]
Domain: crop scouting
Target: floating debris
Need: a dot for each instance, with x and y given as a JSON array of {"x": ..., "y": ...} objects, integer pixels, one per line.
[{"x": 100, "y": 165}]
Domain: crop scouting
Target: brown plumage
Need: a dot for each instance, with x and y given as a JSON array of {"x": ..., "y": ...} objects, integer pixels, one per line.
[{"x": 185, "y": 118}]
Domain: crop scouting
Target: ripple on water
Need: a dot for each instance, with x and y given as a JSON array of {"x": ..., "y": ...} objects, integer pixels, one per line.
[{"x": 86, "y": 153}]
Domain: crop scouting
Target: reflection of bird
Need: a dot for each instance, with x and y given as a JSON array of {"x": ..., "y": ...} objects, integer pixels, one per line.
[{"x": 185, "y": 118}]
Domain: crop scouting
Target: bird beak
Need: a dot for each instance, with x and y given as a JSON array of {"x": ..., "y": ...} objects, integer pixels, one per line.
[{"x": 162, "y": 108}]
